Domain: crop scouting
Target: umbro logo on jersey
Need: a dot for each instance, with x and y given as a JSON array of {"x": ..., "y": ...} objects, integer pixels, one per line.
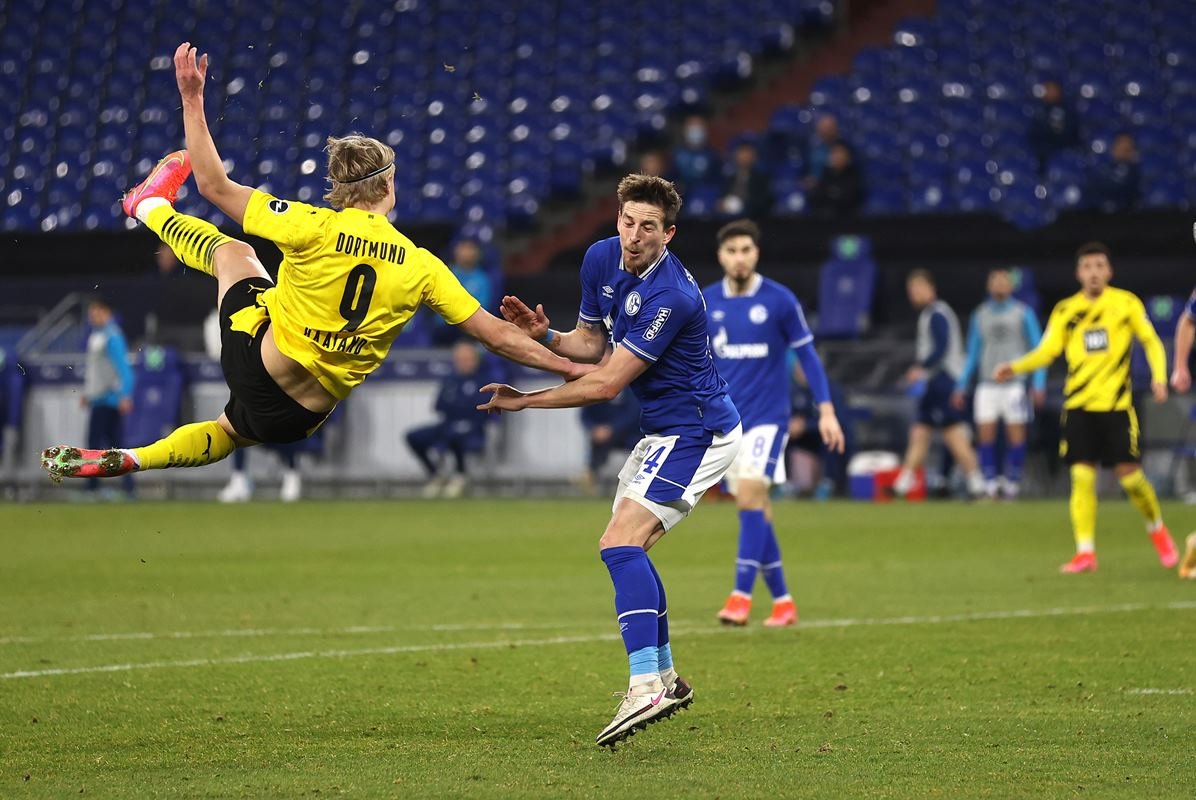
[
  {"x": 278, "y": 206},
  {"x": 608, "y": 291},
  {"x": 718, "y": 315}
]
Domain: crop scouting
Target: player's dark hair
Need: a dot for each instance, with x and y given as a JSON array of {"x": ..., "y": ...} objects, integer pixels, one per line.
[
  {"x": 653, "y": 190},
  {"x": 920, "y": 275},
  {"x": 99, "y": 300},
  {"x": 358, "y": 169},
  {"x": 740, "y": 227},
  {"x": 1094, "y": 249}
]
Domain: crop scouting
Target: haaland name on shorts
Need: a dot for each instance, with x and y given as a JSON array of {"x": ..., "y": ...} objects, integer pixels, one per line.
[
  {"x": 723, "y": 349},
  {"x": 336, "y": 341}
]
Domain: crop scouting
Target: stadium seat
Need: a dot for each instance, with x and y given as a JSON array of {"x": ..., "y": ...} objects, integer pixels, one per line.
[{"x": 846, "y": 284}]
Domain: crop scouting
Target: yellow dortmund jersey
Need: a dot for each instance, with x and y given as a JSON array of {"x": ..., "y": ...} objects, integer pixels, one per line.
[
  {"x": 1097, "y": 338},
  {"x": 347, "y": 285}
]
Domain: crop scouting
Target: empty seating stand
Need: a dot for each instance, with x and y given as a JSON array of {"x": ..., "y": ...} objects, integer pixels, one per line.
[{"x": 492, "y": 107}]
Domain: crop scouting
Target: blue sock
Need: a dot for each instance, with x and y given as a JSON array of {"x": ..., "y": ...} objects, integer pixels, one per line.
[
  {"x": 774, "y": 575},
  {"x": 753, "y": 531},
  {"x": 988, "y": 461},
  {"x": 664, "y": 654},
  {"x": 239, "y": 456},
  {"x": 1015, "y": 461},
  {"x": 636, "y": 601}
]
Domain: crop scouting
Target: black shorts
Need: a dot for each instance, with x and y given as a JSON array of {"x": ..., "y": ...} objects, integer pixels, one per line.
[
  {"x": 1104, "y": 437},
  {"x": 257, "y": 408}
]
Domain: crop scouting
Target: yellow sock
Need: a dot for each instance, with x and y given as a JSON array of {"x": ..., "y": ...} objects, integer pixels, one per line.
[
  {"x": 193, "y": 445},
  {"x": 1141, "y": 494},
  {"x": 192, "y": 239},
  {"x": 1083, "y": 507}
]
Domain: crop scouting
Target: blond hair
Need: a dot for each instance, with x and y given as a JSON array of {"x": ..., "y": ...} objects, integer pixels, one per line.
[{"x": 350, "y": 159}]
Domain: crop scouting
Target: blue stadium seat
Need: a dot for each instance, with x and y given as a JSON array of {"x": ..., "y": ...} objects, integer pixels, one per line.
[{"x": 846, "y": 285}]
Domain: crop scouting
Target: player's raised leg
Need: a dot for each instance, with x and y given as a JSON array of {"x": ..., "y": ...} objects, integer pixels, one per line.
[
  {"x": 194, "y": 445},
  {"x": 196, "y": 242},
  {"x": 1142, "y": 495}
]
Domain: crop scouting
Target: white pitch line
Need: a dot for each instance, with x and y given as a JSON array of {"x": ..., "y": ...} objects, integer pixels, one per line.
[
  {"x": 249, "y": 633},
  {"x": 1158, "y": 691},
  {"x": 357, "y": 630},
  {"x": 250, "y": 658}
]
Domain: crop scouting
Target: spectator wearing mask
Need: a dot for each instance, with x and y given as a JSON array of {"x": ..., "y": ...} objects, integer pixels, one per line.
[
  {"x": 695, "y": 163},
  {"x": 107, "y": 383},
  {"x": 839, "y": 193},
  {"x": 1054, "y": 126},
  {"x": 746, "y": 190},
  {"x": 1116, "y": 184}
]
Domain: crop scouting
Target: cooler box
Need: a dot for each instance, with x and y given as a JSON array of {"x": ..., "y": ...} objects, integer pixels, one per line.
[{"x": 883, "y": 482}]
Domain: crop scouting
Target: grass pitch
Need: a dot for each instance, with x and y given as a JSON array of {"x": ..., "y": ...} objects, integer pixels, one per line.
[{"x": 469, "y": 649}]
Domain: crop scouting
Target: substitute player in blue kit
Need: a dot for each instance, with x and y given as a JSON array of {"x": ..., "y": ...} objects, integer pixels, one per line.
[
  {"x": 754, "y": 322},
  {"x": 638, "y": 296}
]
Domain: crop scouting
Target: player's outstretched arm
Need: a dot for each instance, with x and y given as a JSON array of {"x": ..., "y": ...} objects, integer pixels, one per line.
[
  {"x": 585, "y": 344},
  {"x": 509, "y": 342},
  {"x": 599, "y": 386},
  {"x": 211, "y": 179},
  {"x": 1185, "y": 333}
]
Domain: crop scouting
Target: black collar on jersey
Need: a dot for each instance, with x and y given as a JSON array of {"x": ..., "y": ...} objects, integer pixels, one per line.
[{"x": 378, "y": 171}]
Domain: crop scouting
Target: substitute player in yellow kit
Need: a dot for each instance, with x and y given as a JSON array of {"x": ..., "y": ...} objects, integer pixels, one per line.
[
  {"x": 347, "y": 285},
  {"x": 1095, "y": 330}
]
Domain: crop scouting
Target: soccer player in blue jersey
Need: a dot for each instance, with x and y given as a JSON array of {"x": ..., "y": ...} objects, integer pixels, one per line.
[
  {"x": 754, "y": 322},
  {"x": 1002, "y": 329},
  {"x": 637, "y": 295}
]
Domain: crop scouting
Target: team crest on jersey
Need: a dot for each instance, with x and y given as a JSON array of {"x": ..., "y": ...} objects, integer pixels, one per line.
[
  {"x": 758, "y": 314},
  {"x": 278, "y": 206},
  {"x": 661, "y": 317},
  {"x": 718, "y": 315},
  {"x": 631, "y": 306}
]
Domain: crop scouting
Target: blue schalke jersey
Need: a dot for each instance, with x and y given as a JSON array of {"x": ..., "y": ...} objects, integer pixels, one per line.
[
  {"x": 751, "y": 338},
  {"x": 660, "y": 317}
]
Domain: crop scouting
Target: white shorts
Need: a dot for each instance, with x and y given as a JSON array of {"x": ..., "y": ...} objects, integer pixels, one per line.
[
  {"x": 760, "y": 458},
  {"x": 669, "y": 474},
  {"x": 1001, "y": 401}
]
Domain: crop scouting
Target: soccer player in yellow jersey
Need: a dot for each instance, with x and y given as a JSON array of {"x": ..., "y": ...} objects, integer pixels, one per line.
[
  {"x": 1095, "y": 330},
  {"x": 347, "y": 284}
]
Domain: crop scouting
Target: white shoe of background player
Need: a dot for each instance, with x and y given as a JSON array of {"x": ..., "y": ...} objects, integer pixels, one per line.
[
  {"x": 238, "y": 489},
  {"x": 292, "y": 486}
]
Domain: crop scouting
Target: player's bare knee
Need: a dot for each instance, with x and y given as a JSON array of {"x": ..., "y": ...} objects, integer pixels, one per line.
[{"x": 235, "y": 260}]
